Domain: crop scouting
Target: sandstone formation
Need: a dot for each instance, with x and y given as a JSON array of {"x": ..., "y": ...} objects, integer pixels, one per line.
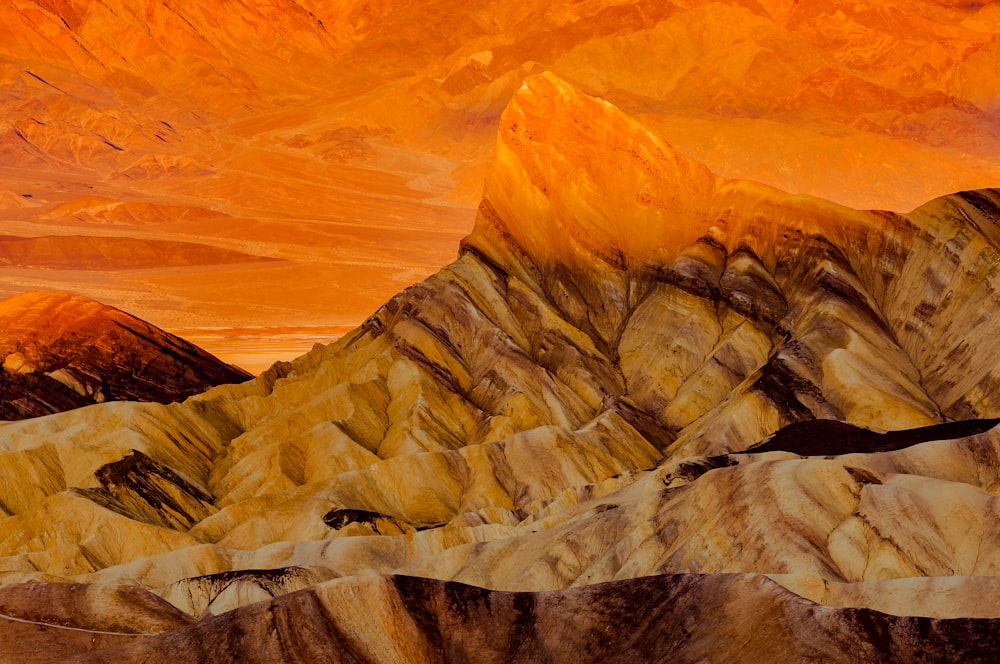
[
  {"x": 63, "y": 351},
  {"x": 649, "y": 412}
]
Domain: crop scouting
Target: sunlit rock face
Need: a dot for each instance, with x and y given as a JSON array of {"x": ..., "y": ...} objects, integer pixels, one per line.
[
  {"x": 350, "y": 139},
  {"x": 779, "y": 409},
  {"x": 63, "y": 351}
]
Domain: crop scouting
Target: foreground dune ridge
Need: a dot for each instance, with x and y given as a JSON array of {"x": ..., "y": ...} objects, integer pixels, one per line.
[{"x": 572, "y": 402}]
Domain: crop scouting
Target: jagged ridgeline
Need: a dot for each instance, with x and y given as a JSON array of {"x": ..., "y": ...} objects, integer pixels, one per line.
[{"x": 570, "y": 422}]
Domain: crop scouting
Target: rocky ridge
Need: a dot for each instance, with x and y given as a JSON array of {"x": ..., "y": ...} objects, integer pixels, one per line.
[
  {"x": 63, "y": 351},
  {"x": 579, "y": 399}
]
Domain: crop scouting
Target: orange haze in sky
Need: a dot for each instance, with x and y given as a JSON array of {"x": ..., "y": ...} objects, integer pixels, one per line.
[{"x": 260, "y": 177}]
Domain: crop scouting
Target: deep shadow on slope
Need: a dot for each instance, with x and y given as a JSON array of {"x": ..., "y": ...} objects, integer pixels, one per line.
[{"x": 832, "y": 437}]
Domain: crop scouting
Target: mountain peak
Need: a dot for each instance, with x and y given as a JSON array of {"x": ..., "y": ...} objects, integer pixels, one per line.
[
  {"x": 574, "y": 174},
  {"x": 60, "y": 350}
]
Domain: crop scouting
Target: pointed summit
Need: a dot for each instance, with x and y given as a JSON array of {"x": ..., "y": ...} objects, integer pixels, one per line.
[{"x": 574, "y": 173}]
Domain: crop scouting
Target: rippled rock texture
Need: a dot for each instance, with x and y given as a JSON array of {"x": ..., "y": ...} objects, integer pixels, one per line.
[{"x": 647, "y": 413}]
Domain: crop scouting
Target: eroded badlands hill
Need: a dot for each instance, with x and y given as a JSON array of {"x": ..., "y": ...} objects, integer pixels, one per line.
[
  {"x": 577, "y": 399},
  {"x": 63, "y": 351}
]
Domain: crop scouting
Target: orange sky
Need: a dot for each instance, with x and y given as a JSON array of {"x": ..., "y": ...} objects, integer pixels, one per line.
[{"x": 347, "y": 141}]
